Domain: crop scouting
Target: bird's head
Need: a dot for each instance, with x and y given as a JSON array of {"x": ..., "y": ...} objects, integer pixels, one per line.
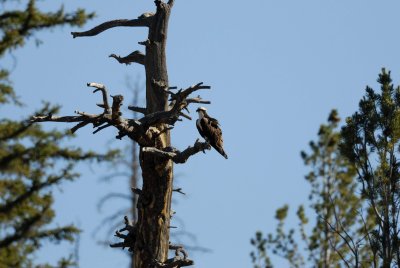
[{"x": 201, "y": 111}]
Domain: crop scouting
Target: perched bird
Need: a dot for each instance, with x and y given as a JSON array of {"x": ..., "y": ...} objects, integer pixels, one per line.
[{"x": 209, "y": 129}]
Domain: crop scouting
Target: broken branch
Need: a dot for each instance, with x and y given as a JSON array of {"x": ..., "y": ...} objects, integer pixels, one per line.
[
  {"x": 177, "y": 261},
  {"x": 136, "y": 191},
  {"x": 138, "y": 109},
  {"x": 129, "y": 238},
  {"x": 135, "y": 56},
  {"x": 110, "y": 117},
  {"x": 178, "y": 190},
  {"x": 179, "y": 102},
  {"x": 116, "y": 108},
  {"x": 102, "y": 88},
  {"x": 139, "y": 22},
  {"x": 177, "y": 156}
]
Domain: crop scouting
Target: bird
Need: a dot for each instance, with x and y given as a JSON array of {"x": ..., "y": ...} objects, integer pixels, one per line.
[{"x": 209, "y": 129}]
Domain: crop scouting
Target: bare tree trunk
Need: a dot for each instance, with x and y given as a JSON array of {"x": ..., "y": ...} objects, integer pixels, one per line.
[
  {"x": 154, "y": 212},
  {"x": 149, "y": 236}
]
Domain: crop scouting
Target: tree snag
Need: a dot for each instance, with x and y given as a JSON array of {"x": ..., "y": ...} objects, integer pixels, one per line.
[{"x": 148, "y": 238}]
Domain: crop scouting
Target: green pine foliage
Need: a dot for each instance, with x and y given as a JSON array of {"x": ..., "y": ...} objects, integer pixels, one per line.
[
  {"x": 19, "y": 24},
  {"x": 371, "y": 141},
  {"x": 32, "y": 161},
  {"x": 334, "y": 206}
]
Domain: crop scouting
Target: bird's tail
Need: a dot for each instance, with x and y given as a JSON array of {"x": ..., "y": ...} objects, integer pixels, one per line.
[{"x": 222, "y": 152}]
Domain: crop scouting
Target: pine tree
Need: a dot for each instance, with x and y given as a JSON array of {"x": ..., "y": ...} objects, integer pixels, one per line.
[
  {"x": 334, "y": 204},
  {"x": 371, "y": 141},
  {"x": 18, "y": 24},
  {"x": 32, "y": 160}
]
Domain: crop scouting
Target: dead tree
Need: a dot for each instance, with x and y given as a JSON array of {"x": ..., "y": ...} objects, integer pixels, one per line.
[{"x": 148, "y": 238}]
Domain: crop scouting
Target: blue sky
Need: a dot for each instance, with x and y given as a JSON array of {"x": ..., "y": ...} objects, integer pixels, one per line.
[{"x": 276, "y": 69}]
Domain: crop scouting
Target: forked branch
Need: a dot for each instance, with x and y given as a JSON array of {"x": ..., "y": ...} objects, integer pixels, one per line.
[
  {"x": 179, "y": 102},
  {"x": 180, "y": 259},
  {"x": 144, "y": 130},
  {"x": 129, "y": 238},
  {"x": 110, "y": 117},
  {"x": 102, "y": 88}
]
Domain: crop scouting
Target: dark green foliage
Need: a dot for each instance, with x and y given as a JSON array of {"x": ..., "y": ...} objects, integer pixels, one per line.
[
  {"x": 371, "y": 141},
  {"x": 6, "y": 91},
  {"x": 334, "y": 203},
  {"x": 281, "y": 243},
  {"x": 19, "y": 24},
  {"x": 32, "y": 161},
  {"x": 259, "y": 257}
]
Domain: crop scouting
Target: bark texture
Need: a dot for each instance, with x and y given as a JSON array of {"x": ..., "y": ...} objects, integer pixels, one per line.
[{"x": 155, "y": 202}]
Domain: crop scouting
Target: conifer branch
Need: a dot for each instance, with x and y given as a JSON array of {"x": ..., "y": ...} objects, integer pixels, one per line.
[
  {"x": 22, "y": 229},
  {"x": 53, "y": 180}
]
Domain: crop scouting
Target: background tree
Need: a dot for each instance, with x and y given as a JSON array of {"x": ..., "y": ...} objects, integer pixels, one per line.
[
  {"x": 128, "y": 168},
  {"x": 334, "y": 203},
  {"x": 149, "y": 236},
  {"x": 17, "y": 24},
  {"x": 371, "y": 142},
  {"x": 32, "y": 161}
]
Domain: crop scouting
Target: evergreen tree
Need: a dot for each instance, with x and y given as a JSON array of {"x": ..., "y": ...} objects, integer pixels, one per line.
[
  {"x": 17, "y": 24},
  {"x": 334, "y": 203},
  {"x": 371, "y": 141},
  {"x": 32, "y": 161}
]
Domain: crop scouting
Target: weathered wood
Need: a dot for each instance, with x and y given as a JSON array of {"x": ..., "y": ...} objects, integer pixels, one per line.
[
  {"x": 154, "y": 219},
  {"x": 148, "y": 238}
]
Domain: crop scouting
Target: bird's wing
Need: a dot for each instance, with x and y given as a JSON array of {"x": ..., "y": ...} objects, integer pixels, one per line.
[
  {"x": 213, "y": 134},
  {"x": 211, "y": 129},
  {"x": 200, "y": 127},
  {"x": 214, "y": 122}
]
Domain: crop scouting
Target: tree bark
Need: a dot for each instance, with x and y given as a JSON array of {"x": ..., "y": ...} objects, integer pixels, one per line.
[
  {"x": 134, "y": 184},
  {"x": 154, "y": 208}
]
